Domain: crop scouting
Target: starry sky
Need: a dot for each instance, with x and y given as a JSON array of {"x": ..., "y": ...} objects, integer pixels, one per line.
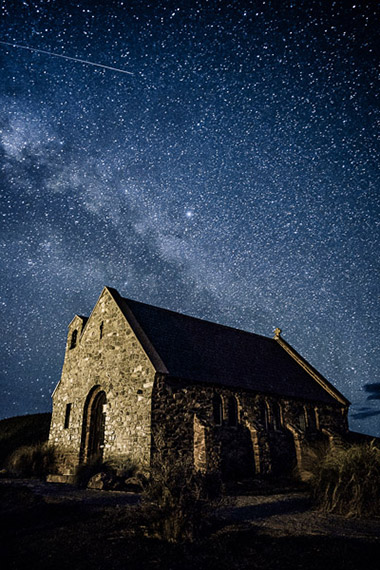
[{"x": 232, "y": 175}]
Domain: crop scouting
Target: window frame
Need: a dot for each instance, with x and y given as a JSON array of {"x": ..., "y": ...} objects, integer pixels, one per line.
[
  {"x": 232, "y": 406},
  {"x": 68, "y": 411},
  {"x": 74, "y": 339},
  {"x": 217, "y": 409}
]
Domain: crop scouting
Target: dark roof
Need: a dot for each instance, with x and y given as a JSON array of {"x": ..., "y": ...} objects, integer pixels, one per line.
[{"x": 207, "y": 352}]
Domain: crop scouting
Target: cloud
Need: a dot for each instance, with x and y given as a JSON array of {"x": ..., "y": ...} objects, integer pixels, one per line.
[
  {"x": 24, "y": 133},
  {"x": 365, "y": 414},
  {"x": 373, "y": 389}
]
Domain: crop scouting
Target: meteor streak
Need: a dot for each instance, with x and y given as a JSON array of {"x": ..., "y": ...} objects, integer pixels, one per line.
[{"x": 66, "y": 57}]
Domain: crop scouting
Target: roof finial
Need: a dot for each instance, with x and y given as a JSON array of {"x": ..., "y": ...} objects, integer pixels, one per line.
[{"x": 277, "y": 333}]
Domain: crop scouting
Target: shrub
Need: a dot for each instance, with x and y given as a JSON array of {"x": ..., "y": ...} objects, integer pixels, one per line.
[
  {"x": 129, "y": 469},
  {"x": 176, "y": 503},
  {"x": 346, "y": 481},
  {"x": 312, "y": 460},
  {"x": 85, "y": 471},
  {"x": 32, "y": 461},
  {"x": 114, "y": 476}
]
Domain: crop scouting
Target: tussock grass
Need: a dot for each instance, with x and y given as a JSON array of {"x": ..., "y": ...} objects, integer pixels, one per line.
[
  {"x": 32, "y": 461},
  {"x": 346, "y": 480},
  {"x": 176, "y": 503}
]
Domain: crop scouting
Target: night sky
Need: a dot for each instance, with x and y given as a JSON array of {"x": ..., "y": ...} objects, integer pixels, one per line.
[{"x": 233, "y": 177}]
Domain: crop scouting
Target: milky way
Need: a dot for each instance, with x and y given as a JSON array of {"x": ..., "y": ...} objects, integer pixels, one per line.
[{"x": 233, "y": 177}]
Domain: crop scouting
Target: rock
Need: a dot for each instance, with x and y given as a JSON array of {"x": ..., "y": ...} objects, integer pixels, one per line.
[
  {"x": 98, "y": 481},
  {"x": 133, "y": 485}
]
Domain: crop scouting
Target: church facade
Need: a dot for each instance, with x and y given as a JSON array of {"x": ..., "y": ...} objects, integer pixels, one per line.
[{"x": 140, "y": 382}]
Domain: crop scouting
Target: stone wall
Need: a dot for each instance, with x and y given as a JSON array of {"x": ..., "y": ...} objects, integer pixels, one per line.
[
  {"x": 105, "y": 356},
  {"x": 270, "y": 435},
  {"x": 108, "y": 381}
]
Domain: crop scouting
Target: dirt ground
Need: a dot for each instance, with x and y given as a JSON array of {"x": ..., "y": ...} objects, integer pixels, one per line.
[{"x": 48, "y": 526}]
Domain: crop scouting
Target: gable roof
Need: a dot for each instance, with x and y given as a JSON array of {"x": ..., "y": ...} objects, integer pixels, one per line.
[{"x": 206, "y": 352}]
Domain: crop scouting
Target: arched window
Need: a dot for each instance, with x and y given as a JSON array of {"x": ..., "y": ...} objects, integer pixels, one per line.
[
  {"x": 276, "y": 416},
  {"x": 232, "y": 411},
  {"x": 217, "y": 409},
  {"x": 264, "y": 415},
  {"x": 74, "y": 339},
  {"x": 302, "y": 420},
  {"x": 311, "y": 419}
]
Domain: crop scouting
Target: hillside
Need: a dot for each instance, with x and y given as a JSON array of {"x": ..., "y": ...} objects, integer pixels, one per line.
[{"x": 22, "y": 430}]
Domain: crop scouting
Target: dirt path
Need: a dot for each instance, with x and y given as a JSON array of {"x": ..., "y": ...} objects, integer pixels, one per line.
[
  {"x": 292, "y": 514},
  {"x": 59, "y": 493},
  {"x": 287, "y": 514},
  {"x": 51, "y": 526}
]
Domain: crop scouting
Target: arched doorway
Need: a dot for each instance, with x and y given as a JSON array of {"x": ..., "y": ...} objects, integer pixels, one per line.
[{"x": 94, "y": 417}]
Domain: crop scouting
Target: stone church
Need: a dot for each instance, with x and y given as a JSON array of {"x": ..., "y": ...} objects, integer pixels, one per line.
[{"x": 139, "y": 381}]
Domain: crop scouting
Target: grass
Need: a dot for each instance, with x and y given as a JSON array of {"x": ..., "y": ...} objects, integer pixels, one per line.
[
  {"x": 36, "y": 460},
  {"x": 176, "y": 503},
  {"x": 346, "y": 481}
]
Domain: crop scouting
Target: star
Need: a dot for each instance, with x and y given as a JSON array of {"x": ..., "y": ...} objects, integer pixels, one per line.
[{"x": 232, "y": 177}]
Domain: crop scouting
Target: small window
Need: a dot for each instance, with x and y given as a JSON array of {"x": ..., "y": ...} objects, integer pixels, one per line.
[
  {"x": 232, "y": 411},
  {"x": 67, "y": 415},
  {"x": 101, "y": 329},
  {"x": 74, "y": 339},
  {"x": 217, "y": 409}
]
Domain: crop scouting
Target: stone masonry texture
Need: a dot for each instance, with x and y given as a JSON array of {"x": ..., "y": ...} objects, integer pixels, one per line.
[
  {"x": 107, "y": 355},
  {"x": 113, "y": 402}
]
